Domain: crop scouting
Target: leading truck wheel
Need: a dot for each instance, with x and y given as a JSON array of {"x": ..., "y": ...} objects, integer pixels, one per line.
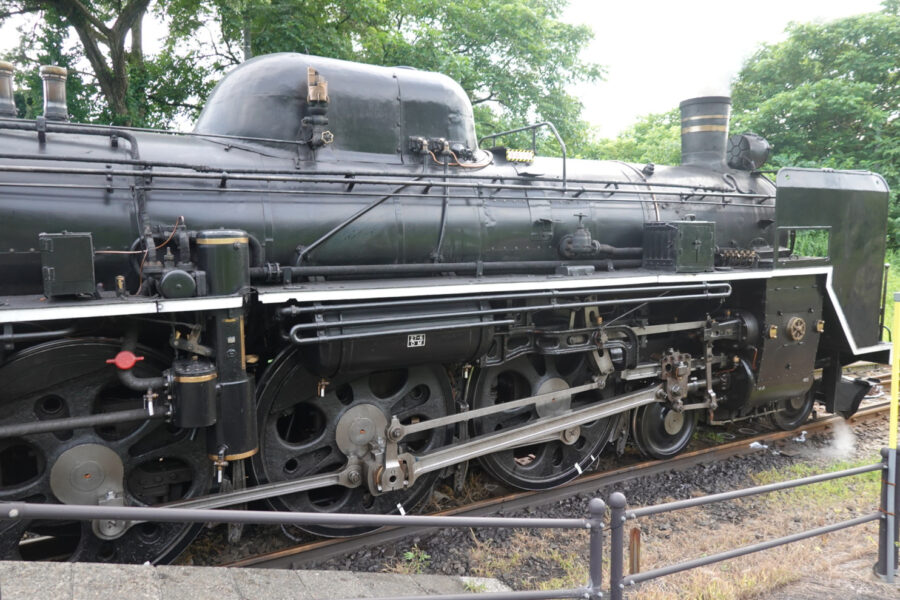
[
  {"x": 300, "y": 433},
  {"x": 154, "y": 461},
  {"x": 661, "y": 432},
  {"x": 791, "y": 413}
]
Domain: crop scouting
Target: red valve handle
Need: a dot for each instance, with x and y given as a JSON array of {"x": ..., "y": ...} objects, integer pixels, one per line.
[{"x": 124, "y": 360}]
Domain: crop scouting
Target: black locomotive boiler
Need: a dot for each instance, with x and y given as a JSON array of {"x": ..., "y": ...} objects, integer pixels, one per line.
[{"x": 330, "y": 295}]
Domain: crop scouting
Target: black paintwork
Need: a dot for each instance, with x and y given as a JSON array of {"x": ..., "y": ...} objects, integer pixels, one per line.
[{"x": 272, "y": 192}]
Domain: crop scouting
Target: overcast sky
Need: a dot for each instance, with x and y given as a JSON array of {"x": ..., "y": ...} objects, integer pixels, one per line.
[
  {"x": 656, "y": 52},
  {"x": 659, "y": 52}
]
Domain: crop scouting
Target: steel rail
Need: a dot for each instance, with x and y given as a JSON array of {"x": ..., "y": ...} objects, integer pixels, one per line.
[
  {"x": 69, "y": 423},
  {"x": 549, "y": 398},
  {"x": 421, "y": 464},
  {"x": 317, "y": 551}
]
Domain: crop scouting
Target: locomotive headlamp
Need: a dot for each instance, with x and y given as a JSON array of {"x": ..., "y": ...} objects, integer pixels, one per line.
[{"x": 747, "y": 151}]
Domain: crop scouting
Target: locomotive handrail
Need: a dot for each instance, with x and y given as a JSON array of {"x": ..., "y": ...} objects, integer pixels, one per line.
[
  {"x": 42, "y": 127},
  {"x": 169, "y": 132},
  {"x": 304, "y": 252},
  {"x": 533, "y": 129},
  {"x": 218, "y": 171},
  {"x": 19, "y": 125},
  {"x": 419, "y": 181},
  {"x": 302, "y": 192}
]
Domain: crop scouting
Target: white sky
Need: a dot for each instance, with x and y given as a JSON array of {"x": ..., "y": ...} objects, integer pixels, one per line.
[
  {"x": 656, "y": 52},
  {"x": 659, "y": 52}
]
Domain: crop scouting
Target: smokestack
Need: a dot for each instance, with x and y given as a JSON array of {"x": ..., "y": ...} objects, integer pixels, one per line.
[
  {"x": 704, "y": 131},
  {"x": 7, "y": 102},
  {"x": 55, "y": 108}
]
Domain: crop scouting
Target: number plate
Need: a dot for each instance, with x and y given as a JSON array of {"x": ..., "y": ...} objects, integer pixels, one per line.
[{"x": 415, "y": 340}]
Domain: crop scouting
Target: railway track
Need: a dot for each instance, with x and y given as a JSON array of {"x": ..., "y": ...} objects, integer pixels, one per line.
[{"x": 321, "y": 550}]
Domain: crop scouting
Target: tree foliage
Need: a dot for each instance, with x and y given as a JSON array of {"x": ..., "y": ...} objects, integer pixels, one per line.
[
  {"x": 829, "y": 96},
  {"x": 654, "y": 138},
  {"x": 514, "y": 58},
  {"x": 100, "y": 42}
]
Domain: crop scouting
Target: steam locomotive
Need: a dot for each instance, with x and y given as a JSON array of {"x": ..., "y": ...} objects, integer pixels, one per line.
[{"x": 331, "y": 294}]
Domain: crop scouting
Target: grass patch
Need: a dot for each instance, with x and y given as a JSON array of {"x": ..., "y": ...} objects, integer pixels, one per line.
[
  {"x": 415, "y": 561},
  {"x": 825, "y": 493},
  {"x": 548, "y": 560}
]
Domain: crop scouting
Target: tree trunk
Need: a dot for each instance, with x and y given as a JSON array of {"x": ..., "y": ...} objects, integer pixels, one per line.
[
  {"x": 245, "y": 34},
  {"x": 112, "y": 74}
]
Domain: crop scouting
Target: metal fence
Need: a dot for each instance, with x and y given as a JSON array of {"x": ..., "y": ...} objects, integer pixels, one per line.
[{"x": 619, "y": 515}]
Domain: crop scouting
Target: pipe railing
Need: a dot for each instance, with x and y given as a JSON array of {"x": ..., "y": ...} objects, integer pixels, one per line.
[{"x": 594, "y": 522}]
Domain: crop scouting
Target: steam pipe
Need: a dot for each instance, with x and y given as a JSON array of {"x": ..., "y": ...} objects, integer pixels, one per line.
[
  {"x": 274, "y": 272},
  {"x": 32, "y": 336},
  {"x": 127, "y": 376}
]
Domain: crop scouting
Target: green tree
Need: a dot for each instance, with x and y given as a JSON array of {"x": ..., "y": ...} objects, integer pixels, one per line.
[
  {"x": 102, "y": 27},
  {"x": 123, "y": 86},
  {"x": 43, "y": 45},
  {"x": 653, "y": 138},
  {"x": 829, "y": 95},
  {"x": 515, "y": 58}
]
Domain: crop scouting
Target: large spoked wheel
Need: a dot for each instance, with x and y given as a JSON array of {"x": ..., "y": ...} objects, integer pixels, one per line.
[
  {"x": 661, "y": 432},
  {"x": 161, "y": 463},
  {"x": 547, "y": 464},
  {"x": 791, "y": 413},
  {"x": 300, "y": 432}
]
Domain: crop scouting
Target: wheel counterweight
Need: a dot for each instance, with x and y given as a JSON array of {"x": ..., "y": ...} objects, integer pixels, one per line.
[
  {"x": 304, "y": 434},
  {"x": 139, "y": 463},
  {"x": 548, "y": 464}
]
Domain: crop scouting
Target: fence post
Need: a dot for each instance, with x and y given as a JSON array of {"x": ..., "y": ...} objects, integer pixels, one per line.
[
  {"x": 889, "y": 525},
  {"x": 617, "y": 505},
  {"x": 597, "y": 509}
]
